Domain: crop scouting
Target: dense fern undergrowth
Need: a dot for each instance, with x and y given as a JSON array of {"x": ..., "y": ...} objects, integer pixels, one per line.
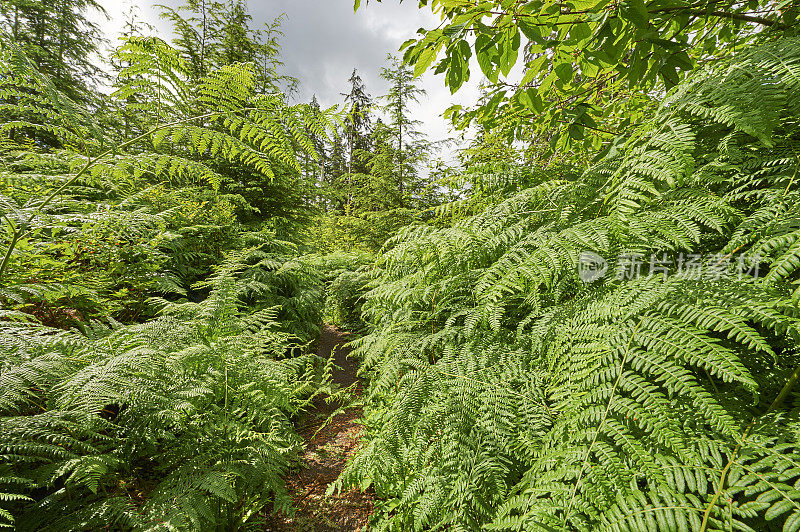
[
  {"x": 192, "y": 409},
  {"x": 566, "y": 345},
  {"x": 509, "y": 393},
  {"x": 154, "y": 351}
]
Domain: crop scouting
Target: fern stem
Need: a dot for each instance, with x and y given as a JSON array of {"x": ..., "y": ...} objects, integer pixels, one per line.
[
  {"x": 794, "y": 175},
  {"x": 784, "y": 393},
  {"x": 15, "y": 236},
  {"x": 602, "y": 421},
  {"x": 225, "y": 408},
  {"x": 723, "y": 474}
]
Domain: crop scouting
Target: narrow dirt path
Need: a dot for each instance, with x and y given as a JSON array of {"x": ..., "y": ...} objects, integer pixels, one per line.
[{"x": 325, "y": 457}]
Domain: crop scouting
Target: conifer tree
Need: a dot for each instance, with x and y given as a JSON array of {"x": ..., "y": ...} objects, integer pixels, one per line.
[
  {"x": 403, "y": 92},
  {"x": 193, "y": 32},
  {"x": 314, "y": 170},
  {"x": 60, "y": 40},
  {"x": 213, "y": 34},
  {"x": 359, "y": 128},
  {"x": 336, "y": 172},
  {"x": 382, "y": 192}
]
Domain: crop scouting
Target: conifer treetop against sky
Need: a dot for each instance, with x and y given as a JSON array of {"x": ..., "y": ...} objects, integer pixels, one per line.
[{"x": 323, "y": 41}]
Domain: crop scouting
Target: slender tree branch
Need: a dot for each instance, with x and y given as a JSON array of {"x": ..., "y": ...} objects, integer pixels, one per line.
[{"x": 726, "y": 14}]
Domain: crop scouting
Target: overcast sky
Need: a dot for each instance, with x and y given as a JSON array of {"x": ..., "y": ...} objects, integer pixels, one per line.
[{"x": 324, "y": 40}]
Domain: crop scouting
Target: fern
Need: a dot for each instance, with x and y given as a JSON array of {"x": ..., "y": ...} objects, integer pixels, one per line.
[
  {"x": 200, "y": 398},
  {"x": 155, "y": 189},
  {"x": 508, "y": 394},
  {"x": 179, "y": 415}
]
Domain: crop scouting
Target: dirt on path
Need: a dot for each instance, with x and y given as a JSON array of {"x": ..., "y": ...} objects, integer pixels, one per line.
[{"x": 326, "y": 453}]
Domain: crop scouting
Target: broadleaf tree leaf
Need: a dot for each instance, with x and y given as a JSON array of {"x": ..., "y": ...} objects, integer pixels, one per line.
[
  {"x": 529, "y": 29},
  {"x": 424, "y": 61},
  {"x": 636, "y": 12},
  {"x": 530, "y": 98}
]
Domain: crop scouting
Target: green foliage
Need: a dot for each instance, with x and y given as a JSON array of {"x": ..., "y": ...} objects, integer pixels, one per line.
[
  {"x": 404, "y": 149},
  {"x": 590, "y": 67},
  {"x": 509, "y": 393},
  {"x": 210, "y": 35},
  {"x": 346, "y": 278},
  {"x": 179, "y": 423},
  {"x": 370, "y": 182},
  {"x": 184, "y": 421},
  {"x": 59, "y": 38},
  {"x": 152, "y": 212},
  {"x": 156, "y": 311},
  {"x": 363, "y": 232}
]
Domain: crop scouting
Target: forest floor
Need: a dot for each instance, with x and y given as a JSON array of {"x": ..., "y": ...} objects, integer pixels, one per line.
[{"x": 326, "y": 453}]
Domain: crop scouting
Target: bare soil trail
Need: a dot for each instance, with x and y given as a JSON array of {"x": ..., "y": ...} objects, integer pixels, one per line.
[{"x": 326, "y": 454}]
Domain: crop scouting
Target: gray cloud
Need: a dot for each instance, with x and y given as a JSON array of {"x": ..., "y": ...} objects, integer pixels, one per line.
[{"x": 324, "y": 40}]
